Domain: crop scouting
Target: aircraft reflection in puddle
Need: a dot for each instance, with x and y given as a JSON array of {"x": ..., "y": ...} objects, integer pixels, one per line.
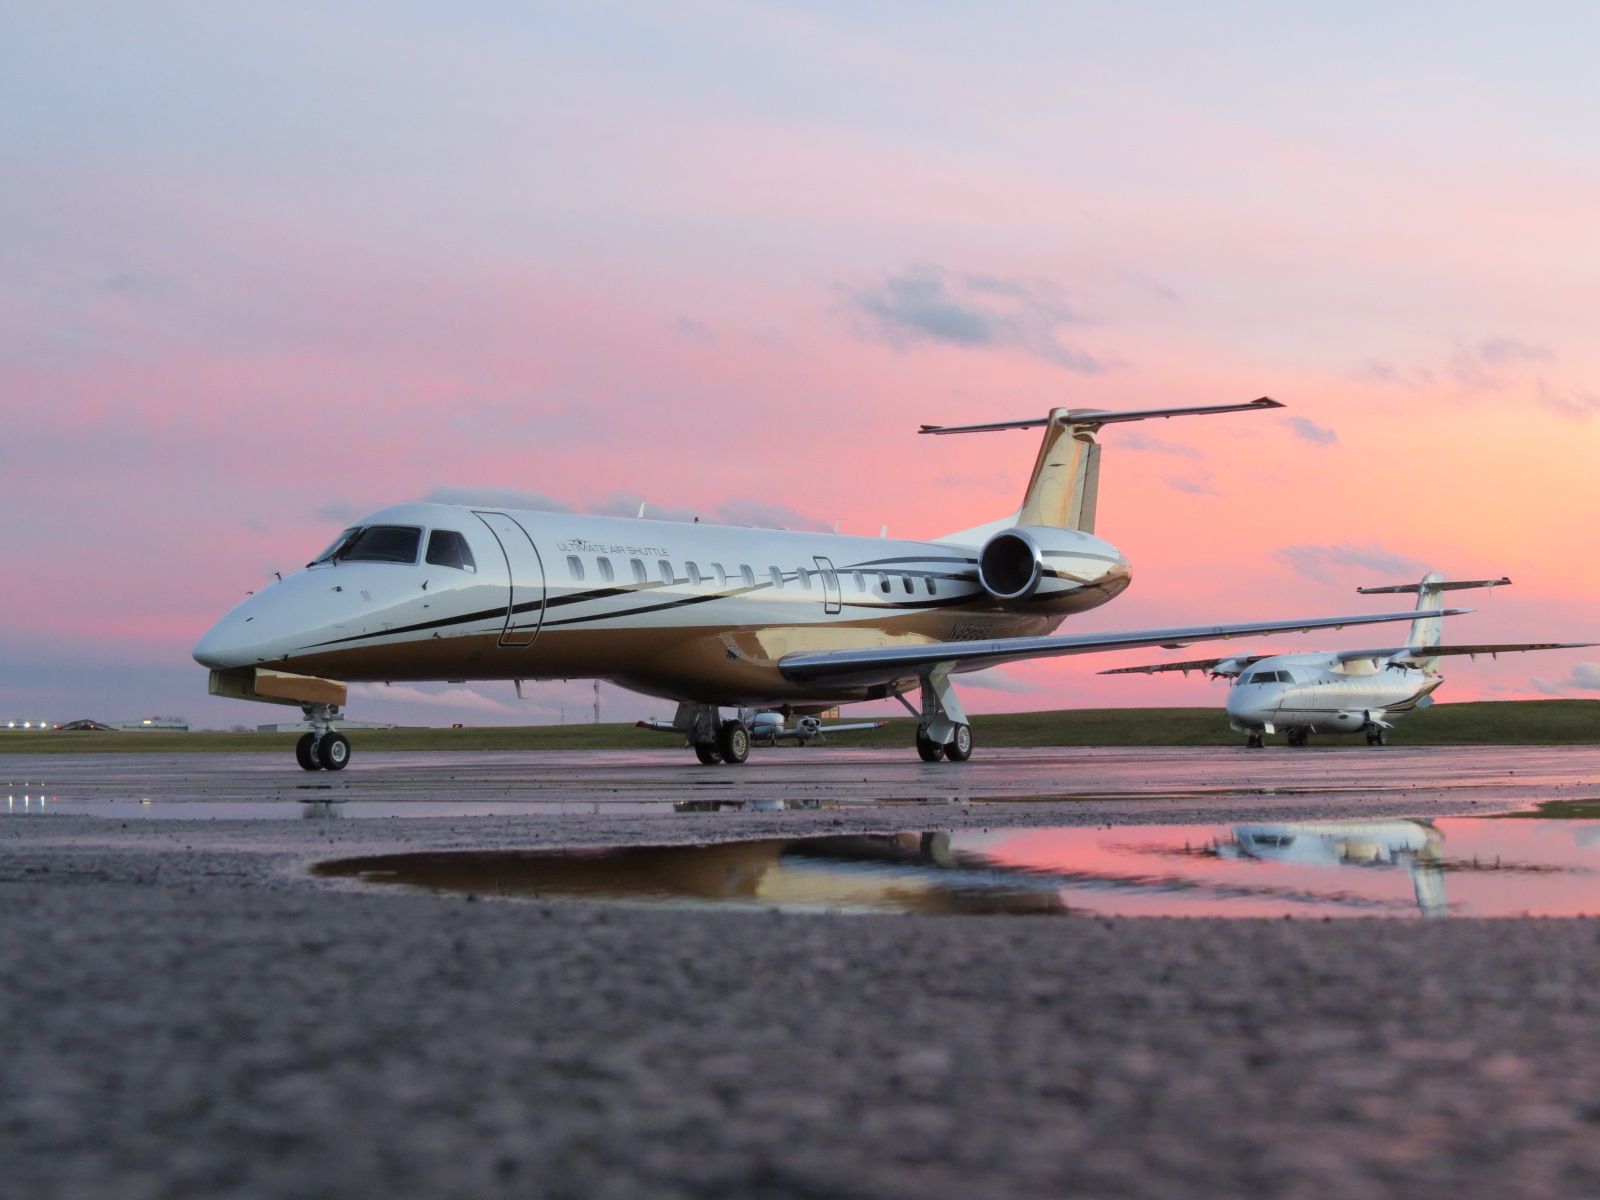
[
  {"x": 1382, "y": 868},
  {"x": 1415, "y": 845}
]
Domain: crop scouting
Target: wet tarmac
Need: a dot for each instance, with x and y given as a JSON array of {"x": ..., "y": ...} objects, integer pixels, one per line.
[
  {"x": 1474, "y": 866},
  {"x": 195, "y": 1011}
]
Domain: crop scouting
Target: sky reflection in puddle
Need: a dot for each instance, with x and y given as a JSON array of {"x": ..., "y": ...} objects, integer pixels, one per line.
[{"x": 1391, "y": 868}]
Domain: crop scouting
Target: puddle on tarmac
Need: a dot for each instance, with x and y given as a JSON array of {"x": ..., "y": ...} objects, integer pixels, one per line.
[
  {"x": 337, "y": 808},
  {"x": 1465, "y": 866}
]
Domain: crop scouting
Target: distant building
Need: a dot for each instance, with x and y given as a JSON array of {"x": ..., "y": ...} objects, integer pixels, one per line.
[
  {"x": 154, "y": 725},
  {"x": 84, "y": 725},
  {"x": 305, "y": 726}
]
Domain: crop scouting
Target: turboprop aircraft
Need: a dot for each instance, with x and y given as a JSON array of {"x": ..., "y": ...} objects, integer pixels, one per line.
[
  {"x": 709, "y": 616},
  {"x": 1344, "y": 691}
]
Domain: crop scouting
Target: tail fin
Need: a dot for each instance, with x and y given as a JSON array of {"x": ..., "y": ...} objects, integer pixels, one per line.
[
  {"x": 1427, "y": 629},
  {"x": 1065, "y": 484}
]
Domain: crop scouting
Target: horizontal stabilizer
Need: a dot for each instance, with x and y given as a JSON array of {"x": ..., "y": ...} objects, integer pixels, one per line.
[
  {"x": 1443, "y": 585},
  {"x": 890, "y": 664},
  {"x": 1093, "y": 418}
]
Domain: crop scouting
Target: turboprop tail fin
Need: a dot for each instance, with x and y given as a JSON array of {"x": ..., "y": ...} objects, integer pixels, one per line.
[
  {"x": 1427, "y": 629},
  {"x": 1066, "y": 476}
]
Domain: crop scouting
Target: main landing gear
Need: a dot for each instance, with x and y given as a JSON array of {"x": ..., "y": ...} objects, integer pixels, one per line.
[
  {"x": 713, "y": 739},
  {"x": 1377, "y": 736},
  {"x": 1298, "y": 737},
  {"x": 323, "y": 749},
  {"x": 942, "y": 728},
  {"x": 1255, "y": 741}
]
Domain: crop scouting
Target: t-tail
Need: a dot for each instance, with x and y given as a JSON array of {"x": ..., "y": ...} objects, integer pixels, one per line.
[
  {"x": 1427, "y": 629},
  {"x": 1065, "y": 484}
]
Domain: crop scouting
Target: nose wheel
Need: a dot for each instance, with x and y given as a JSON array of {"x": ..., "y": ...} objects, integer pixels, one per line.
[{"x": 324, "y": 748}]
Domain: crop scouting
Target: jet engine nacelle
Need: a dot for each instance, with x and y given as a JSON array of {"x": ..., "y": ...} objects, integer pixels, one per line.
[{"x": 1033, "y": 564}]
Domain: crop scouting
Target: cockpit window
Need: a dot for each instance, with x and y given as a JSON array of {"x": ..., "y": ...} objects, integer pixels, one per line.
[
  {"x": 383, "y": 543},
  {"x": 338, "y": 544},
  {"x": 447, "y": 548}
]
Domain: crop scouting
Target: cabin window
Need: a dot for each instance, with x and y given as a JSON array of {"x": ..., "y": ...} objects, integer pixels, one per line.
[
  {"x": 721, "y": 573},
  {"x": 666, "y": 571},
  {"x": 606, "y": 573},
  {"x": 383, "y": 543},
  {"x": 748, "y": 574},
  {"x": 883, "y": 583},
  {"x": 777, "y": 577},
  {"x": 447, "y": 548},
  {"x": 575, "y": 567},
  {"x": 804, "y": 578},
  {"x": 905, "y": 584},
  {"x": 861, "y": 582},
  {"x": 640, "y": 575},
  {"x": 928, "y": 584},
  {"x": 694, "y": 571},
  {"x": 829, "y": 579}
]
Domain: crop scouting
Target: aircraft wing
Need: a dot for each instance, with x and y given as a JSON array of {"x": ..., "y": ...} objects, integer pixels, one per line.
[
  {"x": 886, "y": 664},
  {"x": 1408, "y": 654},
  {"x": 1240, "y": 661}
]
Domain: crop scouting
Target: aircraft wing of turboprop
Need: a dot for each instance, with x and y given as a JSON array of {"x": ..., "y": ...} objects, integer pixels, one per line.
[
  {"x": 1409, "y": 655},
  {"x": 1232, "y": 665},
  {"x": 890, "y": 663}
]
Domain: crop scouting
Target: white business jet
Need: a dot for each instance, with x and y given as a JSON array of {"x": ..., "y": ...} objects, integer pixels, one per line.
[
  {"x": 710, "y": 616},
  {"x": 1344, "y": 691}
]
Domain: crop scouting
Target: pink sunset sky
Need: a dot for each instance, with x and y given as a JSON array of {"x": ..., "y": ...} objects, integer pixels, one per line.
[{"x": 267, "y": 268}]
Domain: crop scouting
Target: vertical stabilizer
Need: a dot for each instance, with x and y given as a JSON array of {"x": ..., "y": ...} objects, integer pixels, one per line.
[
  {"x": 1065, "y": 483},
  {"x": 1427, "y": 629}
]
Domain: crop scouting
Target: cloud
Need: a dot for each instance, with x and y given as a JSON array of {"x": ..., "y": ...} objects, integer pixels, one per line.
[
  {"x": 923, "y": 304},
  {"x": 1472, "y": 364},
  {"x": 495, "y": 497},
  {"x": 1378, "y": 371},
  {"x": 1312, "y": 432},
  {"x": 1319, "y": 562},
  {"x": 341, "y": 512},
  {"x": 462, "y": 698},
  {"x": 1585, "y": 677},
  {"x": 1144, "y": 443},
  {"x": 1577, "y": 403},
  {"x": 691, "y": 330},
  {"x": 1191, "y": 487}
]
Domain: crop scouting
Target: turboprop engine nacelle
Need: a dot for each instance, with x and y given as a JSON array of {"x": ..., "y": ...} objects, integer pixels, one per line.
[{"x": 1035, "y": 564}]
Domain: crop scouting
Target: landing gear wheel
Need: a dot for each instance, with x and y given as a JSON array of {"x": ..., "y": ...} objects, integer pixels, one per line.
[
  {"x": 1254, "y": 741},
  {"x": 305, "y": 752},
  {"x": 1298, "y": 738},
  {"x": 928, "y": 749},
  {"x": 707, "y": 754},
  {"x": 960, "y": 749},
  {"x": 334, "y": 751},
  {"x": 1375, "y": 737},
  {"x": 733, "y": 741}
]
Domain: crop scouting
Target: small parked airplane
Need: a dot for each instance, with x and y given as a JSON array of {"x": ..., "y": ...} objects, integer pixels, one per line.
[
  {"x": 767, "y": 727},
  {"x": 1344, "y": 691},
  {"x": 709, "y": 616}
]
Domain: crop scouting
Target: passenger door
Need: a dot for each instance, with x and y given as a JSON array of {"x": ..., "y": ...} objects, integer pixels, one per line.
[
  {"x": 832, "y": 599},
  {"x": 524, "y": 576}
]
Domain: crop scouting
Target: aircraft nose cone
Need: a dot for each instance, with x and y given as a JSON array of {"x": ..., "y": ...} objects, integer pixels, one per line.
[{"x": 220, "y": 648}]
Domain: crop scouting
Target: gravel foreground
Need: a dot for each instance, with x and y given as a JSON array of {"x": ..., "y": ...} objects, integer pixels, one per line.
[{"x": 189, "y": 1014}]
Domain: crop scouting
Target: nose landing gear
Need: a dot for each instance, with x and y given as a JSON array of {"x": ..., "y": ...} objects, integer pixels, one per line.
[{"x": 323, "y": 749}]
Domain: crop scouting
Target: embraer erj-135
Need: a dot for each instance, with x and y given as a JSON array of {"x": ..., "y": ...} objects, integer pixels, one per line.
[
  {"x": 1344, "y": 691},
  {"x": 710, "y": 616}
]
